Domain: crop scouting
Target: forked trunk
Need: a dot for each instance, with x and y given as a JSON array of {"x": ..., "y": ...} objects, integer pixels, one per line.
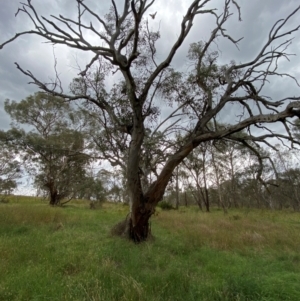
[
  {"x": 142, "y": 204},
  {"x": 140, "y": 230},
  {"x": 53, "y": 193},
  {"x": 136, "y": 226},
  {"x": 55, "y": 198},
  {"x": 52, "y": 200}
]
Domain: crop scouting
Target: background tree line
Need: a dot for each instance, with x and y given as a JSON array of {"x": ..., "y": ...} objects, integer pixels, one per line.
[
  {"x": 225, "y": 176},
  {"x": 53, "y": 142}
]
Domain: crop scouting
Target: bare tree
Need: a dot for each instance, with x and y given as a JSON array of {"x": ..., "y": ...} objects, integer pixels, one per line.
[{"x": 126, "y": 45}]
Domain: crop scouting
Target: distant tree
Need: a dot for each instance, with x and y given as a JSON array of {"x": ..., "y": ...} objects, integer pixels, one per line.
[
  {"x": 113, "y": 184},
  {"x": 197, "y": 164},
  {"x": 253, "y": 191},
  {"x": 286, "y": 193},
  {"x": 50, "y": 142},
  {"x": 91, "y": 188},
  {"x": 125, "y": 46},
  {"x": 10, "y": 169},
  {"x": 219, "y": 174},
  {"x": 229, "y": 159}
]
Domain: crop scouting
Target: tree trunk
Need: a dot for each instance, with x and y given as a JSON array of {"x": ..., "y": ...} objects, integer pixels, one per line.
[
  {"x": 197, "y": 197},
  {"x": 233, "y": 185},
  {"x": 53, "y": 193},
  {"x": 206, "y": 196},
  {"x": 198, "y": 200},
  {"x": 140, "y": 231},
  {"x": 177, "y": 190},
  {"x": 142, "y": 205},
  {"x": 206, "y": 201},
  {"x": 136, "y": 226},
  {"x": 218, "y": 182},
  {"x": 52, "y": 199}
]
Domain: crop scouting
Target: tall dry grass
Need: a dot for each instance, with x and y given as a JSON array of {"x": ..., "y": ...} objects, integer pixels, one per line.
[
  {"x": 238, "y": 230},
  {"x": 30, "y": 215}
]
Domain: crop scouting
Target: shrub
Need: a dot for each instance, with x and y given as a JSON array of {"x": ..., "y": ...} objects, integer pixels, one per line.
[
  {"x": 4, "y": 200},
  {"x": 165, "y": 205},
  {"x": 96, "y": 204}
]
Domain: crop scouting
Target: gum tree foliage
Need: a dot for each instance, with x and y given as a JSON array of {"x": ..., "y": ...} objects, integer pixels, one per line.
[
  {"x": 92, "y": 189},
  {"x": 10, "y": 169},
  {"x": 51, "y": 145},
  {"x": 125, "y": 47}
]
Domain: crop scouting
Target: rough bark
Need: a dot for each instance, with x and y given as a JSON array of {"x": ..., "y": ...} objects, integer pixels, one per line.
[
  {"x": 177, "y": 190},
  {"x": 142, "y": 205},
  {"x": 206, "y": 196}
]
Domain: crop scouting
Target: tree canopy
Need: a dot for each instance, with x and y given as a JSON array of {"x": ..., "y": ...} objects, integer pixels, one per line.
[
  {"x": 10, "y": 168},
  {"x": 52, "y": 147}
]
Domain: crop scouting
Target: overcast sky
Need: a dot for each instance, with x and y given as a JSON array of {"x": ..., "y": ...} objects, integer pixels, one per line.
[{"x": 31, "y": 53}]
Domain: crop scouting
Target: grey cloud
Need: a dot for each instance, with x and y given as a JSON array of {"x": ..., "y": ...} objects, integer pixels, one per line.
[{"x": 31, "y": 53}]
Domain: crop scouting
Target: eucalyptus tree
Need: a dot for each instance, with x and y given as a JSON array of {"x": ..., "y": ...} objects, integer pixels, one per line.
[
  {"x": 90, "y": 187},
  {"x": 47, "y": 135},
  {"x": 255, "y": 182},
  {"x": 10, "y": 168},
  {"x": 228, "y": 160},
  {"x": 197, "y": 164},
  {"x": 125, "y": 47},
  {"x": 287, "y": 192}
]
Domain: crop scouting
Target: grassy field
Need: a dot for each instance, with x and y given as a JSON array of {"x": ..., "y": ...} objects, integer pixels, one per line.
[{"x": 68, "y": 254}]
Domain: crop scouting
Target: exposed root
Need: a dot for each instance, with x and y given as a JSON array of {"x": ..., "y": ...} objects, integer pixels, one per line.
[
  {"x": 121, "y": 229},
  {"x": 137, "y": 234}
]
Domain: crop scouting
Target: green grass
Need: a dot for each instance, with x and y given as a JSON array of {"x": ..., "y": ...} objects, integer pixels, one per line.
[{"x": 68, "y": 254}]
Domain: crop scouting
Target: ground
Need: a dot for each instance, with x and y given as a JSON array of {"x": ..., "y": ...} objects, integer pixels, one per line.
[{"x": 69, "y": 254}]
